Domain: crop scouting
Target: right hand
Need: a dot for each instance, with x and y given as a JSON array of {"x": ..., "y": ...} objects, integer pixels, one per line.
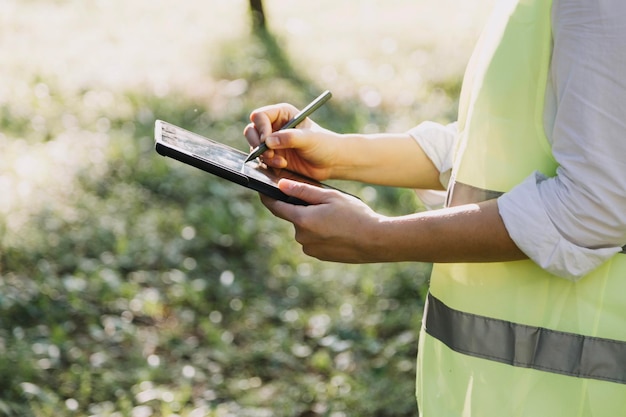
[{"x": 308, "y": 149}]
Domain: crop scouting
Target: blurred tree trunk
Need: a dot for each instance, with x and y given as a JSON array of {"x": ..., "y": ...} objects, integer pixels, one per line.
[{"x": 258, "y": 15}]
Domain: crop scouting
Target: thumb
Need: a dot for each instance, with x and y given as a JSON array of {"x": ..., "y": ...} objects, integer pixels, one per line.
[{"x": 312, "y": 194}]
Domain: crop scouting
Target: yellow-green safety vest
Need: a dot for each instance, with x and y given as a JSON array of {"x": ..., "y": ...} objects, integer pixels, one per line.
[{"x": 510, "y": 339}]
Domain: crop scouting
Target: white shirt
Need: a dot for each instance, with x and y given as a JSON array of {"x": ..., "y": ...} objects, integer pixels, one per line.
[{"x": 571, "y": 223}]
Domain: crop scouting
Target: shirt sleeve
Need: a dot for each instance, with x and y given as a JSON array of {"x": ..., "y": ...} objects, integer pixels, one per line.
[
  {"x": 572, "y": 223},
  {"x": 438, "y": 142}
]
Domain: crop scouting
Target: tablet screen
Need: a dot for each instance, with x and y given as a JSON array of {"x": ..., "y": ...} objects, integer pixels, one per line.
[{"x": 223, "y": 155}]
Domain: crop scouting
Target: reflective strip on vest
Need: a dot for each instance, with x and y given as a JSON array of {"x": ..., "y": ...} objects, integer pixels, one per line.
[
  {"x": 526, "y": 346},
  {"x": 508, "y": 338}
]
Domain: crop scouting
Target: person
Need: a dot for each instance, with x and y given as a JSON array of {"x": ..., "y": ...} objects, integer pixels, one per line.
[{"x": 525, "y": 314}]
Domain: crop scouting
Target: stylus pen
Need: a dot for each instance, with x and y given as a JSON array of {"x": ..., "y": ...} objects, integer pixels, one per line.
[{"x": 297, "y": 119}]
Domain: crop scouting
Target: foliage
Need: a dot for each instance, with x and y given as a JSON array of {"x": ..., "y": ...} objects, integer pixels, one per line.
[
  {"x": 152, "y": 288},
  {"x": 132, "y": 285}
]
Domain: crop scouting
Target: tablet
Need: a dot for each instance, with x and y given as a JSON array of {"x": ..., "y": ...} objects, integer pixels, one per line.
[{"x": 224, "y": 161}]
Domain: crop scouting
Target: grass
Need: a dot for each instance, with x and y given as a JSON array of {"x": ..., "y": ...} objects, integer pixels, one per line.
[{"x": 131, "y": 285}]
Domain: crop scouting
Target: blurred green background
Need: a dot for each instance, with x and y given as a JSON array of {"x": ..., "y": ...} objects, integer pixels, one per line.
[{"x": 132, "y": 285}]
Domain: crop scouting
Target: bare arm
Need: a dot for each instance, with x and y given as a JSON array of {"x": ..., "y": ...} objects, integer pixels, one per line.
[
  {"x": 384, "y": 159},
  {"x": 337, "y": 227},
  {"x": 340, "y": 228}
]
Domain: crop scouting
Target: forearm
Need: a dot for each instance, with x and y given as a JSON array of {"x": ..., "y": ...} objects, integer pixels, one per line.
[
  {"x": 469, "y": 233},
  {"x": 337, "y": 227},
  {"x": 384, "y": 159}
]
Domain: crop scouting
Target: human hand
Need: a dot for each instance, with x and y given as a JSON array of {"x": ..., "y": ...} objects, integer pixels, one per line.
[
  {"x": 334, "y": 227},
  {"x": 309, "y": 150}
]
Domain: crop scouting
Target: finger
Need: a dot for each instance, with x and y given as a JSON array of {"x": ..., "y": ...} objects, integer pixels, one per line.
[
  {"x": 280, "y": 209},
  {"x": 252, "y": 135},
  {"x": 289, "y": 139},
  {"x": 270, "y": 118},
  {"x": 306, "y": 192},
  {"x": 273, "y": 160},
  {"x": 309, "y": 193}
]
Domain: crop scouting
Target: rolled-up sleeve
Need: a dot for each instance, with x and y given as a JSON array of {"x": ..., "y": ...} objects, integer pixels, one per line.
[
  {"x": 438, "y": 142},
  {"x": 572, "y": 223}
]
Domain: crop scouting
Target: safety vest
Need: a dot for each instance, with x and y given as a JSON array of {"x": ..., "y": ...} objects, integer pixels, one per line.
[{"x": 509, "y": 339}]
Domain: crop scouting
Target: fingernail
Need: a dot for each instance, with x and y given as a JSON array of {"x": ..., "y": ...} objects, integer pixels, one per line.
[
  {"x": 286, "y": 185},
  {"x": 272, "y": 141}
]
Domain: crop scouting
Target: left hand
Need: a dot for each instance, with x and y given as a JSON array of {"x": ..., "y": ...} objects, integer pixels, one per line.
[{"x": 334, "y": 227}]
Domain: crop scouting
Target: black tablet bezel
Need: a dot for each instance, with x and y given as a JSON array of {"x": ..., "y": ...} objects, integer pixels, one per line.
[{"x": 269, "y": 188}]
